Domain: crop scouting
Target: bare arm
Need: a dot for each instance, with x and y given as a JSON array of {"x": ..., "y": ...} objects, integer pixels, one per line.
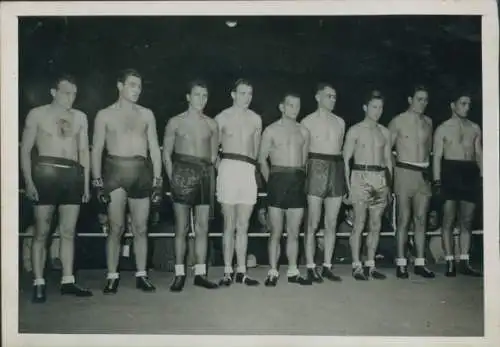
[
  {"x": 349, "y": 146},
  {"x": 393, "y": 130},
  {"x": 27, "y": 143},
  {"x": 83, "y": 149},
  {"x": 214, "y": 141},
  {"x": 168, "y": 145},
  {"x": 257, "y": 136},
  {"x": 307, "y": 143},
  {"x": 478, "y": 147},
  {"x": 438, "y": 153},
  {"x": 429, "y": 138},
  {"x": 98, "y": 142},
  {"x": 388, "y": 151},
  {"x": 265, "y": 149},
  {"x": 154, "y": 147}
]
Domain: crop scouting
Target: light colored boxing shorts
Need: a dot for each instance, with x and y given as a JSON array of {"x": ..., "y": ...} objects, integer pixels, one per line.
[
  {"x": 236, "y": 181},
  {"x": 369, "y": 186}
]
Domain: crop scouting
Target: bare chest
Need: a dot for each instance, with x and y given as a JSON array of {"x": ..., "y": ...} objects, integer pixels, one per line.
[
  {"x": 416, "y": 132},
  {"x": 126, "y": 124},
  {"x": 288, "y": 138},
  {"x": 462, "y": 135},
  {"x": 372, "y": 138},
  {"x": 238, "y": 127},
  {"x": 62, "y": 127},
  {"x": 325, "y": 129},
  {"x": 194, "y": 130}
]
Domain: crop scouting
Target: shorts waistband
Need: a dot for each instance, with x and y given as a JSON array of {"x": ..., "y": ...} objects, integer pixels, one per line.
[
  {"x": 57, "y": 162},
  {"x": 191, "y": 159},
  {"x": 460, "y": 162},
  {"x": 123, "y": 158},
  {"x": 239, "y": 157},
  {"x": 277, "y": 168},
  {"x": 411, "y": 167},
  {"x": 372, "y": 168},
  {"x": 327, "y": 157}
]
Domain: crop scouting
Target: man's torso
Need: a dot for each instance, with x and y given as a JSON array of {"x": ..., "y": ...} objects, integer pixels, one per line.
[
  {"x": 327, "y": 133},
  {"x": 193, "y": 136},
  {"x": 459, "y": 139},
  {"x": 237, "y": 131},
  {"x": 413, "y": 138},
  {"x": 287, "y": 145},
  {"x": 370, "y": 145}
]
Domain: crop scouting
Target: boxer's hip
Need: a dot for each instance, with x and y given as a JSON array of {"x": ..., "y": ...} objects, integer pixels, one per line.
[
  {"x": 237, "y": 179},
  {"x": 369, "y": 185},
  {"x": 286, "y": 187},
  {"x": 325, "y": 175},
  {"x": 460, "y": 180},
  {"x": 133, "y": 173},
  {"x": 411, "y": 179}
]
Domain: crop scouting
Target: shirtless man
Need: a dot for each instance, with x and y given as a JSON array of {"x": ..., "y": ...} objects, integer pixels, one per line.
[
  {"x": 59, "y": 176},
  {"x": 286, "y": 144},
  {"x": 128, "y": 131},
  {"x": 239, "y": 134},
  {"x": 370, "y": 144},
  {"x": 190, "y": 148},
  {"x": 411, "y": 133},
  {"x": 458, "y": 170},
  {"x": 325, "y": 179}
]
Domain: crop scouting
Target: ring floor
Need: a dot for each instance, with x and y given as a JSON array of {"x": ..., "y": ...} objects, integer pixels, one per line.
[{"x": 415, "y": 307}]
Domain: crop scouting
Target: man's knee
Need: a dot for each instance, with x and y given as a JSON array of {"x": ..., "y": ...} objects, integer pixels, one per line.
[
  {"x": 66, "y": 233},
  {"x": 41, "y": 235},
  {"x": 201, "y": 227},
  {"x": 140, "y": 229},
  {"x": 242, "y": 226},
  {"x": 116, "y": 229}
]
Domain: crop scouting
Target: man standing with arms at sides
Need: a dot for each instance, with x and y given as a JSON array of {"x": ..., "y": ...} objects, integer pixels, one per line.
[
  {"x": 58, "y": 177},
  {"x": 325, "y": 179},
  {"x": 411, "y": 133},
  {"x": 128, "y": 131},
  {"x": 370, "y": 144},
  {"x": 239, "y": 134},
  {"x": 286, "y": 143},
  {"x": 190, "y": 148},
  {"x": 458, "y": 170}
]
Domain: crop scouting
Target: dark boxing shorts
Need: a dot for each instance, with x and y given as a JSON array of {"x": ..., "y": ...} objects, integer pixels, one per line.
[
  {"x": 460, "y": 180},
  {"x": 369, "y": 186},
  {"x": 325, "y": 175},
  {"x": 411, "y": 180},
  {"x": 286, "y": 187},
  {"x": 58, "y": 181},
  {"x": 132, "y": 174},
  {"x": 193, "y": 180}
]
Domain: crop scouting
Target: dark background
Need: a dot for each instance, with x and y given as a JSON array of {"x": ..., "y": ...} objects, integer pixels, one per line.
[{"x": 277, "y": 54}]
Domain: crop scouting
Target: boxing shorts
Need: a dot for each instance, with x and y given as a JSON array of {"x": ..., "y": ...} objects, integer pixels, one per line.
[
  {"x": 325, "y": 175},
  {"x": 58, "y": 181},
  {"x": 286, "y": 187},
  {"x": 369, "y": 186},
  {"x": 236, "y": 180},
  {"x": 460, "y": 180},
  {"x": 411, "y": 180},
  {"x": 132, "y": 174}
]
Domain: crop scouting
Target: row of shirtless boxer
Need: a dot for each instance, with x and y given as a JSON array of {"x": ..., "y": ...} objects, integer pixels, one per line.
[{"x": 307, "y": 164}]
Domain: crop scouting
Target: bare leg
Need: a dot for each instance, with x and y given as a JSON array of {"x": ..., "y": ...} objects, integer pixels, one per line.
[
  {"x": 403, "y": 220},
  {"x": 449, "y": 216},
  {"x": 181, "y": 230},
  {"x": 68, "y": 217},
  {"x": 359, "y": 210},
  {"x": 467, "y": 210},
  {"x": 375, "y": 224},
  {"x": 314, "y": 205},
  {"x": 293, "y": 221},
  {"x": 116, "y": 215},
  {"x": 139, "y": 211},
  {"x": 276, "y": 219},
  {"x": 43, "y": 220},
  {"x": 421, "y": 209},
  {"x": 243, "y": 213},
  {"x": 229, "y": 212},
  {"x": 202, "y": 213},
  {"x": 332, "y": 207}
]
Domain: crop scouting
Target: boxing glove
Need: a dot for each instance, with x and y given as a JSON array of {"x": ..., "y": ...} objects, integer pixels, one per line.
[
  {"x": 156, "y": 195},
  {"x": 436, "y": 188},
  {"x": 102, "y": 197}
]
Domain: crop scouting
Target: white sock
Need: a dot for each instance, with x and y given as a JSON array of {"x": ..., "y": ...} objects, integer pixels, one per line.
[
  {"x": 68, "y": 279},
  {"x": 228, "y": 269},
  {"x": 141, "y": 274},
  {"x": 241, "y": 269},
  {"x": 356, "y": 264},
  {"x": 419, "y": 262},
  {"x": 273, "y": 272},
  {"x": 179, "y": 270},
  {"x": 311, "y": 266},
  {"x": 292, "y": 271},
  {"x": 112, "y": 276},
  {"x": 464, "y": 257},
  {"x": 39, "y": 281},
  {"x": 370, "y": 263},
  {"x": 448, "y": 257},
  {"x": 327, "y": 265},
  {"x": 200, "y": 269},
  {"x": 401, "y": 262}
]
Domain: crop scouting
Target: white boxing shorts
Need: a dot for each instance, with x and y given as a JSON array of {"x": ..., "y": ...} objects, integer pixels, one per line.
[{"x": 236, "y": 182}]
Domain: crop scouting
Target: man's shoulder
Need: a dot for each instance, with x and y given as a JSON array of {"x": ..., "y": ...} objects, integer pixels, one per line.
[
  {"x": 80, "y": 114},
  {"x": 144, "y": 111},
  {"x": 397, "y": 119},
  {"x": 223, "y": 114},
  {"x": 428, "y": 119},
  {"x": 39, "y": 110},
  {"x": 473, "y": 125},
  {"x": 384, "y": 129},
  {"x": 211, "y": 122},
  {"x": 444, "y": 125},
  {"x": 338, "y": 118},
  {"x": 255, "y": 116},
  {"x": 308, "y": 118}
]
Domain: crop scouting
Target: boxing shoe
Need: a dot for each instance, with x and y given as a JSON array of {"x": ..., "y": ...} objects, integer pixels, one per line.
[
  {"x": 244, "y": 279},
  {"x": 39, "y": 294},
  {"x": 227, "y": 280},
  {"x": 74, "y": 289},
  {"x": 313, "y": 276},
  {"x": 464, "y": 268},
  {"x": 402, "y": 272},
  {"x": 328, "y": 274},
  {"x": 202, "y": 281},
  {"x": 178, "y": 284},
  {"x": 451, "y": 270},
  {"x": 421, "y": 270},
  {"x": 299, "y": 280},
  {"x": 359, "y": 274},
  {"x": 271, "y": 281},
  {"x": 371, "y": 272},
  {"x": 143, "y": 283},
  {"x": 111, "y": 286}
]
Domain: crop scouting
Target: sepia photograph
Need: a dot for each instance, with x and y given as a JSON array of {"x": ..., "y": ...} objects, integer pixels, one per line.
[{"x": 280, "y": 172}]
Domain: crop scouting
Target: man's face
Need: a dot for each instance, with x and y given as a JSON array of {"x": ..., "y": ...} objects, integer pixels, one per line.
[
  {"x": 198, "y": 98},
  {"x": 131, "y": 89},
  {"x": 419, "y": 102},
  {"x": 327, "y": 98},
  {"x": 242, "y": 97},
  {"x": 65, "y": 94},
  {"x": 461, "y": 107},
  {"x": 290, "y": 107},
  {"x": 374, "y": 109}
]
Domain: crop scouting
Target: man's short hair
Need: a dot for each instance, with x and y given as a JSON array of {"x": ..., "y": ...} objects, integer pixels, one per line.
[
  {"x": 322, "y": 86},
  {"x": 373, "y": 95},
  {"x": 292, "y": 94},
  {"x": 61, "y": 78},
  {"x": 418, "y": 88},
  {"x": 241, "y": 81},
  {"x": 196, "y": 83},
  {"x": 456, "y": 95},
  {"x": 124, "y": 74}
]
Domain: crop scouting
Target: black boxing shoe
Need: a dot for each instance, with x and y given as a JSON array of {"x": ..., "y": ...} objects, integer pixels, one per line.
[
  {"x": 143, "y": 283},
  {"x": 39, "y": 294},
  {"x": 227, "y": 280},
  {"x": 178, "y": 284},
  {"x": 371, "y": 272},
  {"x": 299, "y": 280},
  {"x": 451, "y": 270},
  {"x": 313, "y": 276},
  {"x": 421, "y": 270},
  {"x": 74, "y": 289},
  {"x": 329, "y": 275},
  {"x": 202, "y": 281},
  {"x": 465, "y": 269},
  {"x": 359, "y": 274},
  {"x": 271, "y": 281},
  {"x": 111, "y": 286},
  {"x": 402, "y": 272},
  {"x": 244, "y": 279}
]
